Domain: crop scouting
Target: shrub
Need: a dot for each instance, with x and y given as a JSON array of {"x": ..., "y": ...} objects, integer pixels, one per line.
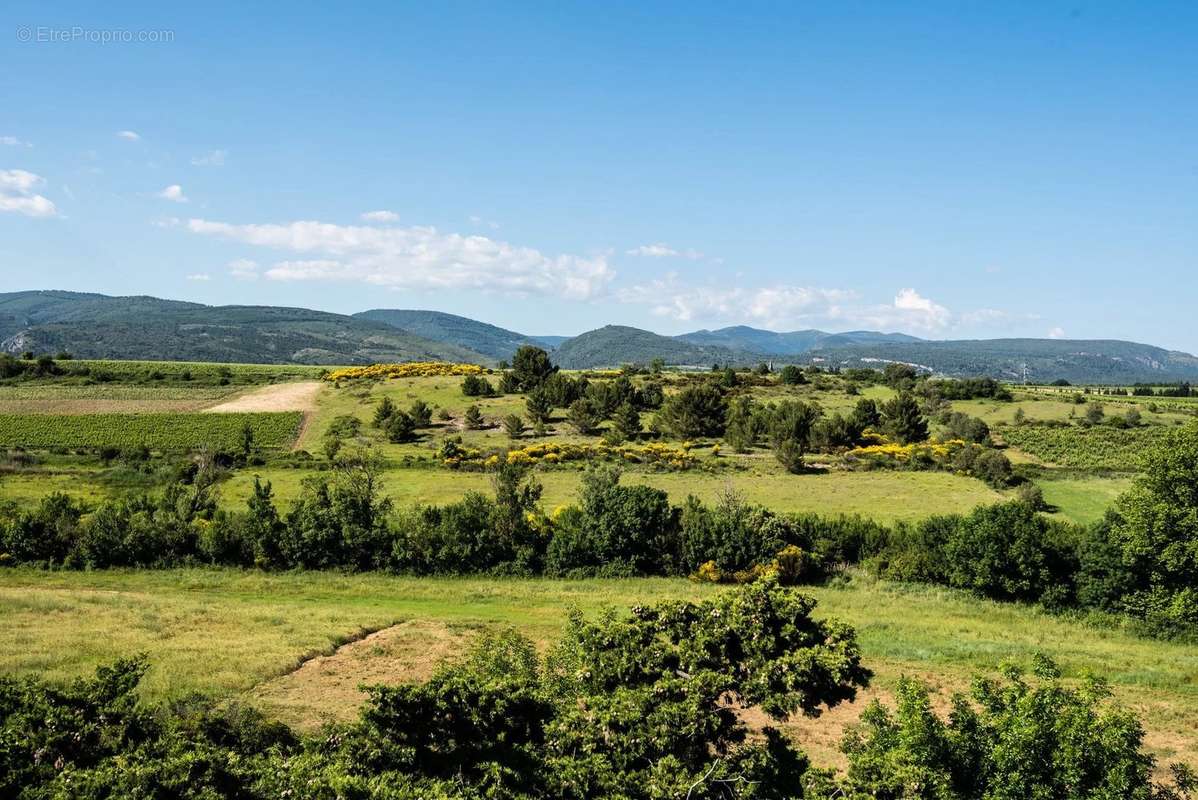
[
  {"x": 791, "y": 375},
  {"x": 1008, "y": 552},
  {"x": 1009, "y": 739},
  {"x": 619, "y": 530},
  {"x": 513, "y": 426},
  {"x": 473, "y": 417},
  {"x": 477, "y": 386}
]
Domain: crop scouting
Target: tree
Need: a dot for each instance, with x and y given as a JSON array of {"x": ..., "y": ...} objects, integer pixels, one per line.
[
  {"x": 1094, "y": 413},
  {"x": 791, "y": 425},
  {"x": 626, "y": 421},
  {"x": 247, "y": 440},
  {"x": 1014, "y": 738},
  {"x": 531, "y": 366},
  {"x": 791, "y": 375},
  {"x": 539, "y": 405},
  {"x": 866, "y": 414},
  {"x": 1156, "y": 529},
  {"x": 695, "y": 411},
  {"x": 383, "y": 412},
  {"x": 900, "y": 377},
  {"x": 473, "y": 417},
  {"x": 742, "y": 427},
  {"x": 421, "y": 414},
  {"x": 902, "y": 419},
  {"x": 513, "y": 426},
  {"x": 400, "y": 427},
  {"x": 477, "y": 386},
  {"x": 584, "y": 416}
]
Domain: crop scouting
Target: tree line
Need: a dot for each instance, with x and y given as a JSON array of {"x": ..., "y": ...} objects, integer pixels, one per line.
[{"x": 1140, "y": 560}]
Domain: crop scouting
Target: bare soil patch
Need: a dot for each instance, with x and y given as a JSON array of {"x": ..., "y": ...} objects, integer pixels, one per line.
[
  {"x": 328, "y": 688},
  {"x": 298, "y": 396}
]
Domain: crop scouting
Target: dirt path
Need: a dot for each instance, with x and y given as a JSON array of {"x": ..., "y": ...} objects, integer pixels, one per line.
[{"x": 299, "y": 396}]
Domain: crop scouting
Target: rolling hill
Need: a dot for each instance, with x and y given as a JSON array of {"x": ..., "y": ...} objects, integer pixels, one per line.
[
  {"x": 1078, "y": 361},
  {"x": 613, "y": 345},
  {"x": 756, "y": 340},
  {"x": 97, "y": 326},
  {"x": 490, "y": 340}
]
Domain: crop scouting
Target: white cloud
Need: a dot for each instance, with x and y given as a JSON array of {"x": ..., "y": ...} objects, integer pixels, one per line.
[
  {"x": 415, "y": 258},
  {"x": 660, "y": 250},
  {"x": 17, "y": 194},
  {"x": 199, "y": 276},
  {"x": 174, "y": 192},
  {"x": 788, "y": 306},
  {"x": 380, "y": 216},
  {"x": 243, "y": 269},
  {"x": 919, "y": 311},
  {"x": 1056, "y": 333},
  {"x": 128, "y": 136},
  {"x": 776, "y": 306},
  {"x": 213, "y": 158},
  {"x": 477, "y": 220},
  {"x": 12, "y": 141}
]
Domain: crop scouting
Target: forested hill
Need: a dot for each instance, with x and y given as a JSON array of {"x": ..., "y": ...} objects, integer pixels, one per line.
[
  {"x": 490, "y": 340},
  {"x": 756, "y": 340},
  {"x": 1079, "y": 361},
  {"x": 613, "y": 345},
  {"x": 96, "y": 326}
]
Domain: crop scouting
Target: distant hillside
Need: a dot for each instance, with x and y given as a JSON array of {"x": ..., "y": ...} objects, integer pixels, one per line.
[
  {"x": 96, "y": 326},
  {"x": 756, "y": 340},
  {"x": 490, "y": 340},
  {"x": 1078, "y": 361},
  {"x": 613, "y": 345}
]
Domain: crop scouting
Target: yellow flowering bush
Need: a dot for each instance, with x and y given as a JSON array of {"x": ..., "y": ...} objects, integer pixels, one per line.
[
  {"x": 558, "y": 452},
  {"x": 410, "y": 369},
  {"x": 919, "y": 455}
]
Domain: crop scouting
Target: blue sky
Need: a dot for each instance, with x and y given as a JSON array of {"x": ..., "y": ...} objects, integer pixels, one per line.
[{"x": 946, "y": 169}]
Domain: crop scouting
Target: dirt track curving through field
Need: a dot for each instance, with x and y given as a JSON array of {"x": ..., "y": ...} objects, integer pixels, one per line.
[{"x": 299, "y": 396}]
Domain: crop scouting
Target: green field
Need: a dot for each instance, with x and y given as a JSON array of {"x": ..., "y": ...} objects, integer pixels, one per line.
[
  {"x": 1095, "y": 448},
  {"x": 239, "y": 634},
  {"x": 161, "y": 432},
  {"x": 99, "y": 398}
]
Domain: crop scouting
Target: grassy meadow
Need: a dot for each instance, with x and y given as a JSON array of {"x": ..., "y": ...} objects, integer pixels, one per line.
[{"x": 265, "y": 638}]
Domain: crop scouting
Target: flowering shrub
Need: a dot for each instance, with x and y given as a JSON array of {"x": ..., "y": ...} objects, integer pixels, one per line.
[
  {"x": 662, "y": 455},
  {"x": 410, "y": 369},
  {"x": 890, "y": 453}
]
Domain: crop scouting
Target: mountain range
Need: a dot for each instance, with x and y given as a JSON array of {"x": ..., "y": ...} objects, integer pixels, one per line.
[{"x": 100, "y": 326}]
